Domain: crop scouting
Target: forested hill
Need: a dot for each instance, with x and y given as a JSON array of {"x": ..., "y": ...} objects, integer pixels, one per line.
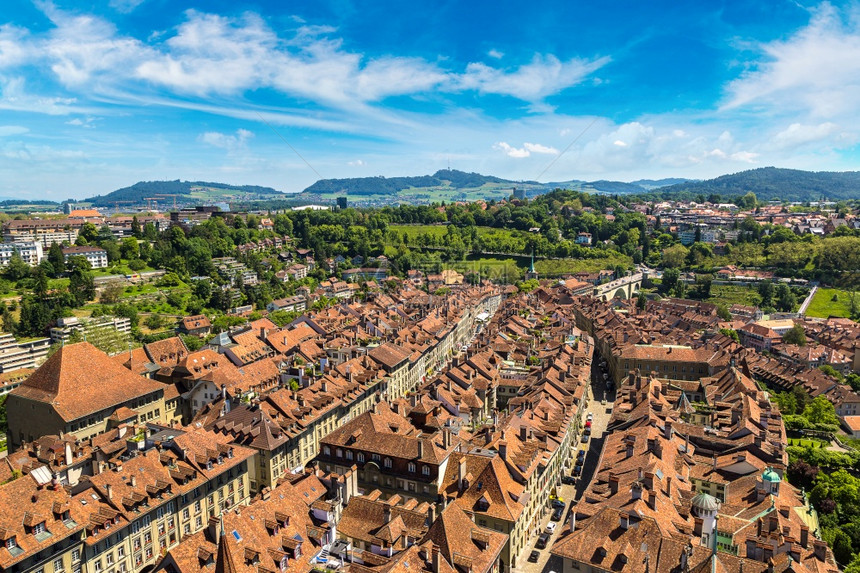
[
  {"x": 138, "y": 191},
  {"x": 776, "y": 183},
  {"x": 383, "y": 185}
]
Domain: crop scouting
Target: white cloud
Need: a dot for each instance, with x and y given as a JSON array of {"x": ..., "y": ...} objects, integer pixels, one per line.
[
  {"x": 544, "y": 76},
  {"x": 356, "y": 163},
  {"x": 15, "y": 97},
  {"x": 511, "y": 151},
  {"x": 15, "y": 46},
  {"x": 538, "y": 148},
  {"x": 88, "y": 122},
  {"x": 225, "y": 141},
  {"x": 496, "y": 54},
  {"x": 7, "y": 130},
  {"x": 798, "y": 134},
  {"x": 817, "y": 70}
]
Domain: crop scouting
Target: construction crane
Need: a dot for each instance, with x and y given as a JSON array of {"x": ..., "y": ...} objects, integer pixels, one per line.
[
  {"x": 150, "y": 203},
  {"x": 116, "y": 204},
  {"x": 169, "y": 195}
]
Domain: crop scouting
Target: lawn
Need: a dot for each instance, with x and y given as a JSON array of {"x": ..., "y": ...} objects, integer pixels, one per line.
[{"x": 823, "y": 305}]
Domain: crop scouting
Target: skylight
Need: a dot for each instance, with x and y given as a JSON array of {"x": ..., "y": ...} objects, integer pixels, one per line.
[{"x": 236, "y": 535}]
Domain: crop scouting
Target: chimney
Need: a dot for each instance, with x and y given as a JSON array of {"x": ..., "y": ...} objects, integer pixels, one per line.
[
  {"x": 386, "y": 513},
  {"x": 804, "y": 536},
  {"x": 133, "y": 481},
  {"x": 523, "y": 433},
  {"x": 431, "y": 513},
  {"x": 503, "y": 450},
  {"x": 324, "y": 386},
  {"x": 669, "y": 486},
  {"x": 264, "y": 332},
  {"x": 613, "y": 483},
  {"x": 668, "y": 431},
  {"x": 462, "y": 473},
  {"x": 698, "y": 525},
  {"x": 629, "y": 453},
  {"x": 68, "y": 453},
  {"x": 121, "y": 431},
  {"x": 435, "y": 559},
  {"x": 109, "y": 491},
  {"x": 636, "y": 491},
  {"x": 652, "y": 500},
  {"x": 420, "y": 449}
]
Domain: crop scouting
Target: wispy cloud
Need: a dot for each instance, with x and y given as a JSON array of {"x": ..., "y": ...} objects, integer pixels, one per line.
[{"x": 815, "y": 70}]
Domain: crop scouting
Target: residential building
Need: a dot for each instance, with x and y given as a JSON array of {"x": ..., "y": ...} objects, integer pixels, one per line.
[
  {"x": 15, "y": 355},
  {"x": 30, "y": 252},
  {"x": 95, "y": 256}
]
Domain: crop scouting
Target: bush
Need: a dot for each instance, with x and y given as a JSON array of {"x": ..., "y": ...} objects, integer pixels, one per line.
[{"x": 136, "y": 265}]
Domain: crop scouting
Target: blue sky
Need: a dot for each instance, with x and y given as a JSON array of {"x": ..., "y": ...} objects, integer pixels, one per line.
[{"x": 100, "y": 94}]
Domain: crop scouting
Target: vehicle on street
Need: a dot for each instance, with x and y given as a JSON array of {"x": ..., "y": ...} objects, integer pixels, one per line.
[
  {"x": 584, "y": 439},
  {"x": 587, "y": 431},
  {"x": 589, "y": 417},
  {"x": 542, "y": 540},
  {"x": 577, "y": 471},
  {"x": 550, "y": 527},
  {"x": 580, "y": 454},
  {"x": 568, "y": 480},
  {"x": 588, "y": 423},
  {"x": 556, "y": 515},
  {"x": 557, "y": 502},
  {"x": 580, "y": 461},
  {"x": 534, "y": 556}
]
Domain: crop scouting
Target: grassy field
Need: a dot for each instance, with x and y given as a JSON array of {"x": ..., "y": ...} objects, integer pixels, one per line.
[
  {"x": 413, "y": 231},
  {"x": 556, "y": 267},
  {"x": 733, "y": 294},
  {"x": 823, "y": 305}
]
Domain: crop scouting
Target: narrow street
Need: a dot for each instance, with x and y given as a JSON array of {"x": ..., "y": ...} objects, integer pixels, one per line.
[{"x": 570, "y": 493}]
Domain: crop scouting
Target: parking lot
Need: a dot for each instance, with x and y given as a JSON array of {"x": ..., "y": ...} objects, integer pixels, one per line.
[{"x": 571, "y": 493}]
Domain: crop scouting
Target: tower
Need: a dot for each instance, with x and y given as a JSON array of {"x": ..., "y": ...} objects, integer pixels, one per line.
[{"x": 532, "y": 273}]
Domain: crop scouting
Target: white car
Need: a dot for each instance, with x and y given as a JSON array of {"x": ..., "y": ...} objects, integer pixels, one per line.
[
  {"x": 589, "y": 417},
  {"x": 550, "y": 527}
]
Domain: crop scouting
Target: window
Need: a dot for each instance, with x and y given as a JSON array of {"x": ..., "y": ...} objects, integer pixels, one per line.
[
  {"x": 197, "y": 507},
  {"x": 187, "y": 529},
  {"x": 387, "y": 462},
  {"x": 411, "y": 467},
  {"x": 327, "y": 450},
  {"x": 339, "y": 453},
  {"x": 39, "y": 528},
  {"x": 147, "y": 537},
  {"x": 76, "y": 555},
  {"x": 360, "y": 457},
  {"x": 198, "y": 522},
  {"x": 11, "y": 543},
  {"x": 349, "y": 454},
  {"x": 58, "y": 564},
  {"x": 98, "y": 565},
  {"x": 425, "y": 470},
  {"x": 109, "y": 559},
  {"x": 120, "y": 552},
  {"x": 185, "y": 513}
]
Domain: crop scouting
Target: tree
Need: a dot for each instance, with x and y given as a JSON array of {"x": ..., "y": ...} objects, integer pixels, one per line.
[
  {"x": 785, "y": 299},
  {"x": 128, "y": 248},
  {"x": 821, "y": 411},
  {"x": 82, "y": 285},
  {"x": 765, "y": 291},
  {"x": 9, "y": 324},
  {"x": 703, "y": 286},
  {"x": 641, "y": 300},
  {"x": 57, "y": 258},
  {"x": 671, "y": 278},
  {"x": 135, "y": 228},
  {"x": 674, "y": 256},
  {"x": 17, "y": 269},
  {"x": 795, "y": 335},
  {"x": 786, "y": 402},
  {"x": 111, "y": 292},
  {"x": 733, "y": 334},
  {"x": 154, "y": 321},
  {"x": 832, "y": 372}
]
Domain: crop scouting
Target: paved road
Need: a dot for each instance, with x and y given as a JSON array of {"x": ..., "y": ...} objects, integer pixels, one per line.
[{"x": 547, "y": 563}]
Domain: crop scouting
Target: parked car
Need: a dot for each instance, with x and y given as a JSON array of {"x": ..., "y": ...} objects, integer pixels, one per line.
[
  {"x": 558, "y": 503},
  {"x": 580, "y": 461},
  {"x": 550, "y": 527},
  {"x": 589, "y": 417},
  {"x": 588, "y": 423},
  {"x": 585, "y": 439},
  {"x": 587, "y": 431},
  {"x": 556, "y": 515},
  {"x": 534, "y": 556},
  {"x": 580, "y": 454},
  {"x": 542, "y": 540},
  {"x": 577, "y": 471},
  {"x": 568, "y": 480}
]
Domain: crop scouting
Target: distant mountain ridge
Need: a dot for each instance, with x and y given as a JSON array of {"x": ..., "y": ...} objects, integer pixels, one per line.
[
  {"x": 776, "y": 183},
  {"x": 136, "y": 193},
  {"x": 454, "y": 179}
]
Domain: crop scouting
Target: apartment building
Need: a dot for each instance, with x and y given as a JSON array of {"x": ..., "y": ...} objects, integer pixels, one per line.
[
  {"x": 16, "y": 355},
  {"x": 95, "y": 256},
  {"x": 31, "y": 252}
]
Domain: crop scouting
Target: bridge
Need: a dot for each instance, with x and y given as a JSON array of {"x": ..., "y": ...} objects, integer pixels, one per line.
[{"x": 625, "y": 287}]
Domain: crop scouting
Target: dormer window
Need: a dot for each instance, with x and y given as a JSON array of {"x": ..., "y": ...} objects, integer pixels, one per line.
[
  {"x": 39, "y": 528},
  {"x": 209, "y": 465},
  {"x": 360, "y": 457},
  {"x": 230, "y": 453},
  {"x": 11, "y": 543},
  {"x": 327, "y": 450},
  {"x": 411, "y": 467},
  {"x": 387, "y": 462},
  {"x": 425, "y": 470}
]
